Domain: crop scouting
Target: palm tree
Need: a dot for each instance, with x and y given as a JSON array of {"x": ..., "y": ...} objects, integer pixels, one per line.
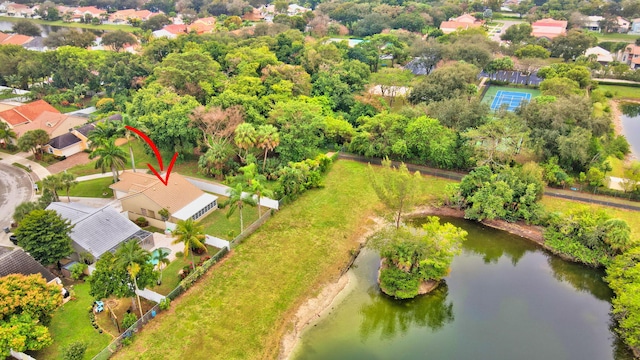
[
  {"x": 102, "y": 134},
  {"x": 67, "y": 181},
  {"x": 6, "y": 134},
  {"x": 259, "y": 189},
  {"x": 267, "y": 138},
  {"x": 237, "y": 200},
  {"x": 130, "y": 256},
  {"x": 192, "y": 235},
  {"x": 245, "y": 139},
  {"x": 122, "y": 129},
  {"x": 109, "y": 156},
  {"x": 53, "y": 183},
  {"x": 163, "y": 259}
]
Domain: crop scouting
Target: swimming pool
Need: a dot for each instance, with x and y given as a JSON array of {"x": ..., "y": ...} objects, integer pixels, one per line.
[{"x": 155, "y": 253}]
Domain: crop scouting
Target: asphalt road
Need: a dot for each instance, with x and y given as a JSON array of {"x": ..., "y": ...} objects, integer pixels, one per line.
[{"x": 15, "y": 187}]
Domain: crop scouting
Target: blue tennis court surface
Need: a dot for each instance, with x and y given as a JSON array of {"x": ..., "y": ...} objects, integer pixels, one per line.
[{"x": 511, "y": 99}]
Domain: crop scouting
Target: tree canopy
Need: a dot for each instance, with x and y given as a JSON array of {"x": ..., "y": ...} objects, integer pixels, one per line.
[{"x": 45, "y": 235}]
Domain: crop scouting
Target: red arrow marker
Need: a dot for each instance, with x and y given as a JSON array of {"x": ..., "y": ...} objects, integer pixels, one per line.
[{"x": 158, "y": 156}]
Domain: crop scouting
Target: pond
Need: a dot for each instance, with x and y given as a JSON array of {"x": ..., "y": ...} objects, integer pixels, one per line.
[
  {"x": 631, "y": 124},
  {"x": 505, "y": 298},
  {"x": 46, "y": 29}
]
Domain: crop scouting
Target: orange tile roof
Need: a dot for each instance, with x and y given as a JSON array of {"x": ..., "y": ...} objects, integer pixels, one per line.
[
  {"x": 3, "y": 36},
  {"x": 178, "y": 193},
  {"x": 551, "y": 23},
  {"x": 26, "y": 113},
  {"x": 16, "y": 39},
  {"x": 200, "y": 28},
  {"x": 176, "y": 29}
]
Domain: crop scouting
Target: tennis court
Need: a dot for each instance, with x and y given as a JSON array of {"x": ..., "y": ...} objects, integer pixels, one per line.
[{"x": 511, "y": 98}]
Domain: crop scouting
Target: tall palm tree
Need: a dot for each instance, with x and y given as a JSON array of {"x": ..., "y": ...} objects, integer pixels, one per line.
[
  {"x": 131, "y": 256},
  {"x": 109, "y": 156},
  {"x": 245, "y": 139},
  {"x": 258, "y": 188},
  {"x": 163, "y": 260},
  {"x": 237, "y": 200},
  {"x": 102, "y": 133},
  {"x": 122, "y": 128},
  {"x": 53, "y": 183},
  {"x": 192, "y": 235},
  {"x": 67, "y": 181},
  {"x": 267, "y": 138},
  {"x": 6, "y": 134}
]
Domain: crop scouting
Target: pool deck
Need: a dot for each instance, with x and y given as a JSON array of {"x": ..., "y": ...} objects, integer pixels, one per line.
[{"x": 164, "y": 241}]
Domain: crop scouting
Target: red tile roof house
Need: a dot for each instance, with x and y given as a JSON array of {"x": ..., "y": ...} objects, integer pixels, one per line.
[
  {"x": 14, "y": 39},
  {"x": 462, "y": 22},
  {"x": 171, "y": 31},
  {"x": 204, "y": 25},
  {"x": 549, "y": 28},
  {"x": 123, "y": 16},
  {"x": 631, "y": 56}
]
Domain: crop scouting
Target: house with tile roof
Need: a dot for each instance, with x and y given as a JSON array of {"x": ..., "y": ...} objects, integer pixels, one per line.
[
  {"x": 14, "y": 39},
  {"x": 171, "y": 31},
  {"x": 254, "y": 15},
  {"x": 602, "y": 56},
  {"x": 23, "y": 114},
  {"x": 463, "y": 22},
  {"x": 99, "y": 230},
  {"x": 549, "y": 28},
  {"x": 630, "y": 56},
  {"x": 202, "y": 26},
  {"x": 143, "y": 195},
  {"x": 123, "y": 16},
  {"x": 19, "y": 10},
  {"x": 16, "y": 261}
]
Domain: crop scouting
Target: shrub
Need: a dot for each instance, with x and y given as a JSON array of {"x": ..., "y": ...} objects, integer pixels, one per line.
[
  {"x": 74, "y": 351},
  {"x": 164, "y": 304},
  {"x": 77, "y": 270},
  {"x": 180, "y": 255},
  {"x": 128, "y": 320},
  {"x": 105, "y": 105},
  {"x": 142, "y": 222}
]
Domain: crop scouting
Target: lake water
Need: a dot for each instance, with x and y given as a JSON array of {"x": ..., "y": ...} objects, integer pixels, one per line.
[
  {"x": 505, "y": 298},
  {"x": 631, "y": 124},
  {"x": 46, "y": 29}
]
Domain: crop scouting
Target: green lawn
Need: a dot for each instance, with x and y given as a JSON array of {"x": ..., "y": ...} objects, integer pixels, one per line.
[
  {"x": 617, "y": 167},
  {"x": 621, "y": 92},
  {"x": 109, "y": 27},
  {"x": 71, "y": 323},
  {"x": 217, "y": 224},
  {"x": 615, "y": 37},
  {"x": 239, "y": 310},
  {"x": 64, "y": 109},
  {"x": 98, "y": 188},
  {"x": 170, "y": 276}
]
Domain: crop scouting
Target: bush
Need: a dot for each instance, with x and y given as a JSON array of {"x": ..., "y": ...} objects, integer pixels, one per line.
[
  {"x": 164, "y": 304},
  {"x": 105, "y": 105},
  {"x": 77, "y": 270},
  {"x": 74, "y": 351},
  {"x": 142, "y": 222},
  {"x": 128, "y": 320}
]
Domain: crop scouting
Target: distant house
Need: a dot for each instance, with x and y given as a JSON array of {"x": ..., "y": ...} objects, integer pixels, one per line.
[
  {"x": 254, "y": 15},
  {"x": 593, "y": 23},
  {"x": 202, "y": 26},
  {"x": 143, "y": 195},
  {"x": 36, "y": 44},
  {"x": 171, "y": 31},
  {"x": 635, "y": 27},
  {"x": 17, "y": 116},
  {"x": 123, "y": 16},
  {"x": 70, "y": 143},
  {"x": 463, "y": 22},
  {"x": 99, "y": 230},
  {"x": 549, "y": 28},
  {"x": 630, "y": 56},
  {"x": 16, "y": 261},
  {"x": 19, "y": 10},
  {"x": 295, "y": 9},
  {"x": 602, "y": 56},
  {"x": 623, "y": 24},
  {"x": 89, "y": 10}
]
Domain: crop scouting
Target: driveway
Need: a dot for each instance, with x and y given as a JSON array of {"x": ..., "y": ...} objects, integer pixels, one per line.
[
  {"x": 15, "y": 187},
  {"x": 495, "y": 36},
  {"x": 80, "y": 158}
]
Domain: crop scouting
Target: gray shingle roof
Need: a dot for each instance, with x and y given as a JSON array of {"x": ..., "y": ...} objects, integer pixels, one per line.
[
  {"x": 64, "y": 140},
  {"x": 85, "y": 129},
  {"x": 19, "y": 262},
  {"x": 98, "y": 230}
]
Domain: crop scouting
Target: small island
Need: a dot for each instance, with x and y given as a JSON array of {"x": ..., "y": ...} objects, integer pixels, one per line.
[{"x": 415, "y": 259}]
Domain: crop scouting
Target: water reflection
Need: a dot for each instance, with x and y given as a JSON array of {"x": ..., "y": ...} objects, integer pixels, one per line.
[
  {"x": 630, "y": 109},
  {"x": 47, "y": 29},
  {"x": 391, "y": 318},
  {"x": 582, "y": 278}
]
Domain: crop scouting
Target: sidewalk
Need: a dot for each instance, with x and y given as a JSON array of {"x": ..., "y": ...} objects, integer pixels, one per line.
[{"x": 38, "y": 172}]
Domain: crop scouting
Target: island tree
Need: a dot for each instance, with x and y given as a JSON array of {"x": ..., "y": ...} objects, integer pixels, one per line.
[
  {"x": 395, "y": 187},
  {"x": 412, "y": 256}
]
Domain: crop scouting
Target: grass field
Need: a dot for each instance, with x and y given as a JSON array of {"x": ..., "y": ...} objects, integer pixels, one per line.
[
  {"x": 71, "y": 323},
  {"x": 615, "y": 37},
  {"x": 239, "y": 310},
  {"x": 106, "y": 27},
  {"x": 92, "y": 188},
  {"x": 622, "y": 92},
  {"x": 217, "y": 224}
]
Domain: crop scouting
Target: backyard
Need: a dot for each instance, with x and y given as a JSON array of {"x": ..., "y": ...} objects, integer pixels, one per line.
[
  {"x": 98, "y": 188},
  {"x": 219, "y": 225},
  {"x": 170, "y": 275},
  {"x": 241, "y": 308},
  {"x": 119, "y": 307},
  {"x": 71, "y": 323},
  {"x": 621, "y": 92}
]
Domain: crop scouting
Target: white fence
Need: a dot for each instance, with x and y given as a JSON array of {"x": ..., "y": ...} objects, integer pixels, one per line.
[
  {"x": 224, "y": 191},
  {"x": 216, "y": 242}
]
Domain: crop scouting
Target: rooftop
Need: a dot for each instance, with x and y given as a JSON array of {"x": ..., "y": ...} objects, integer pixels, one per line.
[{"x": 17, "y": 261}]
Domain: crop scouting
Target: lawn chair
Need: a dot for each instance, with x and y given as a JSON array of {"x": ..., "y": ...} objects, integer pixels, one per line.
[{"x": 99, "y": 306}]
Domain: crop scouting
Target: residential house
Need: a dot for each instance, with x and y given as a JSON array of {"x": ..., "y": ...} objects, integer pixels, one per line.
[
  {"x": 19, "y": 10},
  {"x": 295, "y": 9},
  {"x": 635, "y": 27},
  {"x": 623, "y": 24},
  {"x": 593, "y": 23},
  {"x": 16, "y": 261},
  {"x": 254, "y": 16},
  {"x": 630, "y": 56},
  {"x": 26, "y": 113},
  {"x": 202, "y": 26},
  {"x": 463, "y": 22},
  {"x": 602, "y": 56},
  {"x": 71, "y": 142},
  {"x": 36, "y": 44},
  {"x": 143, "y": 195},
  {"x": 89, "y": 10},
  {"x": 549, "y": 28},
  {"x": 268, "y": 12},
  {"x": 14, "y": 39},
  {"x": 3, "y": 6},
  {"x": 171, "y": 31},
  {"x": 123, "y": 16},
  {"x": 99, "y": 230}
]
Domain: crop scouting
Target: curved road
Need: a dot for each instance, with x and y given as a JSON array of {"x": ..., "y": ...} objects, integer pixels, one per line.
[{"x": 15, "y": 187}]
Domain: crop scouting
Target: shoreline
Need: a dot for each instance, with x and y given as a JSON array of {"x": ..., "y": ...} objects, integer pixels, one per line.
[
  {"x": 619, "y": 128},
  {"x": 315, "y": 309}
]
